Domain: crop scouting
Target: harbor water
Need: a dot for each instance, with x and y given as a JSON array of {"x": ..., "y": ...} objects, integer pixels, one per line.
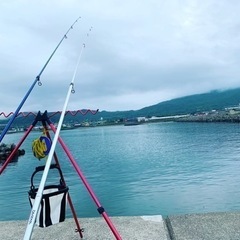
[{"x": 159, "y": 168}]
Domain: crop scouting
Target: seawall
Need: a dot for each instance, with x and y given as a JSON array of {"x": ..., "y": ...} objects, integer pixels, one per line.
[{"x": 208, "y": 226}]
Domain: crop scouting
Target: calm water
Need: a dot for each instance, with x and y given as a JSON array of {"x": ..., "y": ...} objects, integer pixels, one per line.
[{"x": 163, "y": 168}]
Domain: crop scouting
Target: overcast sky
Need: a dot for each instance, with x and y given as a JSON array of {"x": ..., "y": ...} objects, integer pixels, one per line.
[{"x": 139, "y": 53}]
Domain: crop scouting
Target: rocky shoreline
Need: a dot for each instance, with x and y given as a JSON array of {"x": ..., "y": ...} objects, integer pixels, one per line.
[
  {"x": 7, "y": 149},
  {"x": 211, "y": 117}
]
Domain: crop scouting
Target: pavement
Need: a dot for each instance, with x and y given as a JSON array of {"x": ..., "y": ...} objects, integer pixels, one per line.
[{"x": 207, "y": 226}]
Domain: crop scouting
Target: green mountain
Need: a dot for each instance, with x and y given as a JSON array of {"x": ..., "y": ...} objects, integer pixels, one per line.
[{"x": 214, "y": 100}]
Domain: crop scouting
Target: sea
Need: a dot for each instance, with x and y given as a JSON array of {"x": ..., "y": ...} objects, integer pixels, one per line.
[{"x": 166, "y": 168}]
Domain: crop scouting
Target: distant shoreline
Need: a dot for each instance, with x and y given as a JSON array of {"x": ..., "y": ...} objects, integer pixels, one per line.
[
  {"x": 212, "y": 117},
  {"x": 207, "y": 117}
]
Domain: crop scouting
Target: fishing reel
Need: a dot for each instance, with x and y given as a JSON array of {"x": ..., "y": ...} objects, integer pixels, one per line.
[{"x": 41, "y": 147}]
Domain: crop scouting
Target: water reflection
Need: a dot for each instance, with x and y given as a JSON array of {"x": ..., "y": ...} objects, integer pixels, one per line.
[{"x": 163, "y": 169}]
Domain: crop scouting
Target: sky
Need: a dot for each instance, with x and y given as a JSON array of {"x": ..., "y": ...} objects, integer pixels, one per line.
[{"x": 136, "y": 54}]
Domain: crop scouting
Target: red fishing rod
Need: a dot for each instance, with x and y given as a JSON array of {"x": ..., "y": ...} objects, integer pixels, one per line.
[{"x": 37, "y": 80}]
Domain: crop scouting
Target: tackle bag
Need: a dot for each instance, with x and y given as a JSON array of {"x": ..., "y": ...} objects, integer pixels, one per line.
[{"x": 53, "y": 204}]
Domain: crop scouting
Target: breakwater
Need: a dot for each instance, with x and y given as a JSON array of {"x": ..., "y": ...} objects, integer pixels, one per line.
[{"x": 215, "y": 116}]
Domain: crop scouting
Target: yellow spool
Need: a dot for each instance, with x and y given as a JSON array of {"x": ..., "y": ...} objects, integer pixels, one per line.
[{"x": 41, "y": 147}]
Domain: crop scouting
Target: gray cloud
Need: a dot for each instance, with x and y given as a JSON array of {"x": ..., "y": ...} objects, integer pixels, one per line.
[{"x": 138, "y": 53}]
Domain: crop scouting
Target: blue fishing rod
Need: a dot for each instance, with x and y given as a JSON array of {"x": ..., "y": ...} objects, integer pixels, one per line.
[{"x": 37, "y": 80}]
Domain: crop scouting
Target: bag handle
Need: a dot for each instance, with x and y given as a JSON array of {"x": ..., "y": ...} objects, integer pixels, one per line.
[{"x": 41, "y": 168}]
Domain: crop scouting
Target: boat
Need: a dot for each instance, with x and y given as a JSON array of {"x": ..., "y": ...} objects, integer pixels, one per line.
[
  {"x": 15, "y": 130},
  {"x": 131, "y": 122},
  {"x": 12, "y": 130},
  {"x": 67, "y": 127}
]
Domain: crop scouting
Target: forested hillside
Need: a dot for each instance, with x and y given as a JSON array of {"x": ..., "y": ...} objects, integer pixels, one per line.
[{"x": 215, "y": 100}]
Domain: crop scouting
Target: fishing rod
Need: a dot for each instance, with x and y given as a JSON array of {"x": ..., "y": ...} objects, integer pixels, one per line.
[
  {"x": 37, "y": 80},
  {"x": 37, "y": 202}
]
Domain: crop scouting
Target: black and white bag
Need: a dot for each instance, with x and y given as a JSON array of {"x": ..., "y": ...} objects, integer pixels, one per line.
[{"x": 53, "y": 204}]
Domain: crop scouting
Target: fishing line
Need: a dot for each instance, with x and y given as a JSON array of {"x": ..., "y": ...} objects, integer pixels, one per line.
[
  {"x": 38, "y": 198},
  {"x": 37, "y": 80},
  {"x": 73, "y": 113},
  {"x": 83, "y": 46}
]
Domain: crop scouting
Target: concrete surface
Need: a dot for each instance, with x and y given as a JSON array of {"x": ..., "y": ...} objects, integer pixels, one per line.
[
  {"x": 134, "y": 228},
  {"x": 208, "y": 226}
]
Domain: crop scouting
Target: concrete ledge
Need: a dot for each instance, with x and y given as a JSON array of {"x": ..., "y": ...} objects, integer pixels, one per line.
[
  {"x": 130, "y": 228},
  {"x": 209, "y": 226}
]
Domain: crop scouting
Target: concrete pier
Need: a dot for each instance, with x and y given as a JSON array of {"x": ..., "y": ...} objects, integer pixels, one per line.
[{"x": 209, "y": 226}]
